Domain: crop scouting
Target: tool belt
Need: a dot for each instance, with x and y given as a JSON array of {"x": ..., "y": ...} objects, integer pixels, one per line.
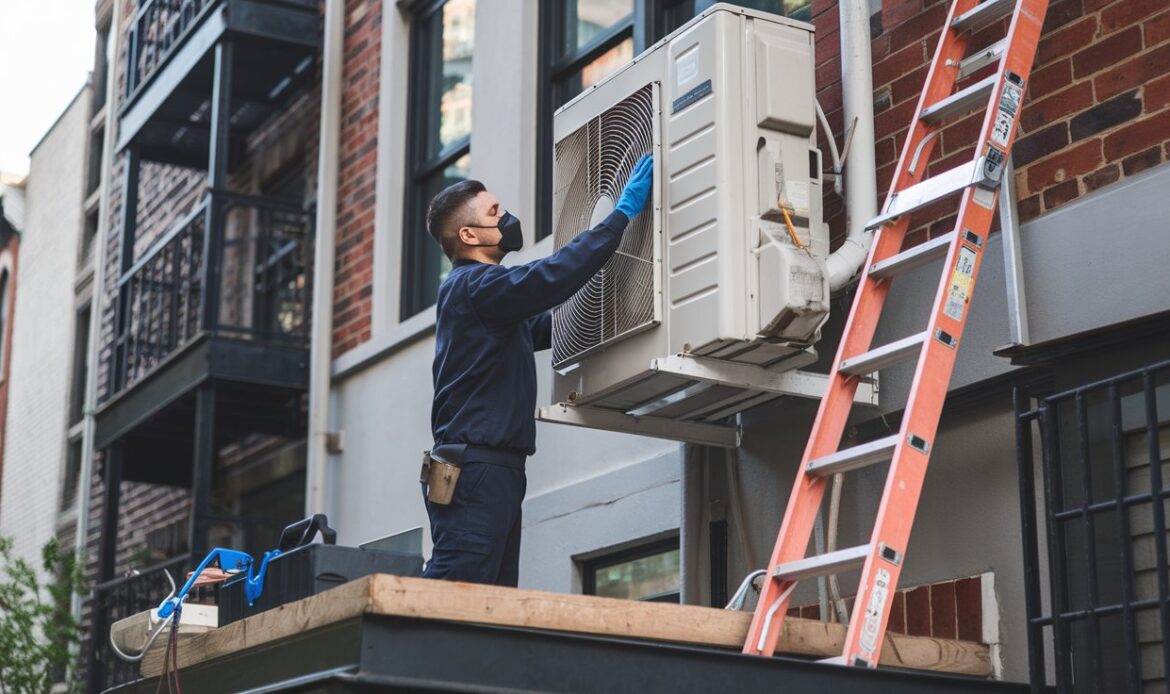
[
  {"x": 440, "y": 477},
  {"x": 441, "y": 466}
]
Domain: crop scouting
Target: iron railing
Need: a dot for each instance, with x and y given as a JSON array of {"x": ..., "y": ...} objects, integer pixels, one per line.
[
  {"x": 120, "y": 598},
  {"x": 158, "y": 29},
  {"x": 237, "y": 266},
  {"x": 1103, "y": 497}
]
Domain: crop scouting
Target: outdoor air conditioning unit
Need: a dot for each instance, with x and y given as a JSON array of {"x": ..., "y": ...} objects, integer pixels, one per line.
[{"x": 712, "y": 298}]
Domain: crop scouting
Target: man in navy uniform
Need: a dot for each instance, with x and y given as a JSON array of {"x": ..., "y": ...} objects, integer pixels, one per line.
[{"x": 489, "y": 321}]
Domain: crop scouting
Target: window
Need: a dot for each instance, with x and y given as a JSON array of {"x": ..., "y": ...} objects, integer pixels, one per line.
[
  {"x": 80, "y": 366},
  {"x": 584, "y": 41},
  {"x": 72, "y": 475},
  {"x": 94, "y": 175},
  {"x": 442, "y": 41},
  {"x": 102, "y": 62},
  {"x": 649, "y": 572}
]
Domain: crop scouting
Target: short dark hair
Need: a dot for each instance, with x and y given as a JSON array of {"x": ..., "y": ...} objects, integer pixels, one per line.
[{"x": 443, "y": 212}]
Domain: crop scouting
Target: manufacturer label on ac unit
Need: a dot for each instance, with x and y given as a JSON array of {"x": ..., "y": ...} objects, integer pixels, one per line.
[
  {"x": 961, "y": 279},
  {"x": 873, "y": 613},
  {"x": 690, "y": 97}
]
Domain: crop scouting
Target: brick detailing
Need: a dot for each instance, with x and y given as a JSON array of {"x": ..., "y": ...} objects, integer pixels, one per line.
[
  {"x": 1097, "y": 107},
  {"x": 951, "y": 609},
  {"x": 354, "y": 266}
]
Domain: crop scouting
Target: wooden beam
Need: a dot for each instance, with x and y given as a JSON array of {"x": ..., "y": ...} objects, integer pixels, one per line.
[{"x": 583, "y": 614}]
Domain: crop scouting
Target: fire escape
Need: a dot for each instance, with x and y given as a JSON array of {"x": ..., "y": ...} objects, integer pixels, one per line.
[{"x": 211, "y": 321}]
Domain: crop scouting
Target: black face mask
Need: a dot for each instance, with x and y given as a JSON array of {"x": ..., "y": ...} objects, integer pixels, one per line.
[{"x": 511, "y": 236}]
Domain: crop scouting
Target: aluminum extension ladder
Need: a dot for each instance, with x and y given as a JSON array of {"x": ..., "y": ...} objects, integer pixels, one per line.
[{"x": 908, "y": 451}]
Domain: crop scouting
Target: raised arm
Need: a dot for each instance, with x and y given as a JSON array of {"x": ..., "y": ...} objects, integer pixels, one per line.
[{"x": 510, "y": 294}]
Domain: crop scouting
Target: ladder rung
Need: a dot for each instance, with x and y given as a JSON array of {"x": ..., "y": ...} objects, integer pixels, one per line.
[
  {"x": 911, "y": 258},
  {"x": 976, "y": 62},
  {"x": 922, "y": 194},
  {"x": 853, "y": 458},
  {"x": 983, "y": 14},
  {"x": 961, "y": 102},
  {"x": 823, "y": 565},
  {"x": 880, "y": 358}
]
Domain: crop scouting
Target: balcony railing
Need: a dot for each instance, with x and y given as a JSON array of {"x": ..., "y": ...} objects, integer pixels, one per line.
[
  {"x": 236, "y": 266},
  {"x": 120, "y": 598},
  {"x": 159, "y": 28}
]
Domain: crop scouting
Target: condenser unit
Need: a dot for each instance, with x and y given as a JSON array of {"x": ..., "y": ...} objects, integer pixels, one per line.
[{"x": 718, "y": 292}]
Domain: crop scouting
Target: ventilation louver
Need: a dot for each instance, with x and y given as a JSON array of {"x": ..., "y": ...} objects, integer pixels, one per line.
[{"x": 592, "y": 166}]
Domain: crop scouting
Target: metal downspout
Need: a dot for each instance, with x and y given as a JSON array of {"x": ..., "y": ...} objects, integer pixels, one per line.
[
  {"x": 860, "y": 165},
  {"x": 321, "y": 343}
]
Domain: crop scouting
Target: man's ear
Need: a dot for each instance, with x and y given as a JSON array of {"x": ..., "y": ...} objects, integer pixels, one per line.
[{"x": 466, "y": 236}]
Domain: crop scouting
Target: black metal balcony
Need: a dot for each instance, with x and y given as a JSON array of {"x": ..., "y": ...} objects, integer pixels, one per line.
[
  {"x": 173, "y": 49},
  {"x": 222, "y": 298}
]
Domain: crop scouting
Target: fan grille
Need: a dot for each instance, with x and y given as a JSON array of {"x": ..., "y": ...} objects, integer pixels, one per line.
[{"x": 591, "y": 168}]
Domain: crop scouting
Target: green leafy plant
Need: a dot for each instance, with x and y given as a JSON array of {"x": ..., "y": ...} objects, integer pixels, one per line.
[{"x": 40, "y": 642}]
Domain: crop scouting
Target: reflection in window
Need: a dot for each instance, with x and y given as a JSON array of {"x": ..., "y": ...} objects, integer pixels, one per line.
[
  {"x": 442, "y": 44},
  {"x": 589, "y": 19},
  {"x": 650, "y": 573}
]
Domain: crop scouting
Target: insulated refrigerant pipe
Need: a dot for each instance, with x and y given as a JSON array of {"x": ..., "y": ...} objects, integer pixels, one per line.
[
  {"x": 321, "y": 341},
  {"x": 860, "y": 167}
]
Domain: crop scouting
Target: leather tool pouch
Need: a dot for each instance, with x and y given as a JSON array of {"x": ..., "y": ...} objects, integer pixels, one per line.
[{"x": 440, "y": 478}]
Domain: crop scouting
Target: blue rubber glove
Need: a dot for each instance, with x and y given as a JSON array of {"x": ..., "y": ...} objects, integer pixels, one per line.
[{"x": 637, "y": 190}]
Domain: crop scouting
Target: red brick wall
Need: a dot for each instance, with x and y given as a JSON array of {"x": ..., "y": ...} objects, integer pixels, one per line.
[
  {"x": 1097, "y": 108},
  {"x": 353, "y": 282},
  {"x": 950, "y": 609}
]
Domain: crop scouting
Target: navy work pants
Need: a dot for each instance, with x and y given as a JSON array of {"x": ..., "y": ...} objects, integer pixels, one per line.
[{"x": 477, "y": 535}]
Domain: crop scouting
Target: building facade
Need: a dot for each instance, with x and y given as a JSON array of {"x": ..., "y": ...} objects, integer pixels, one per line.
[
  {"x": 39, "y": 491},
  {"x": 241, "y": 179},
  {"x": 612, "y": 512}
]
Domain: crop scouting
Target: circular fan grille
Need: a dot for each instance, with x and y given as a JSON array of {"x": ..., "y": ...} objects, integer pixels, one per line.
[{"x": 591, "y": 168}]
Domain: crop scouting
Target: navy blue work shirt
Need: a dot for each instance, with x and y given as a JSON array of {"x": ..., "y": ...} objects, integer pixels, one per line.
[{"x": 489, "y": 321}]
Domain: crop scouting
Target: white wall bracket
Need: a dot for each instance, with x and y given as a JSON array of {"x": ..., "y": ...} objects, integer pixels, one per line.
[{"x": 751, "y": 384}]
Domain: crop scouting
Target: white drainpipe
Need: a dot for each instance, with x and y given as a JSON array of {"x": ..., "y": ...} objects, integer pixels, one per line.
[
  {"x": 860, "y": 167},
  {"x": 96, "y": 306},
  {"x": 321, "y": 343}
]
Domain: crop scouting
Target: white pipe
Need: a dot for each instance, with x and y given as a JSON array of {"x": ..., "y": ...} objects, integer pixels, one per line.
[
  {"x": 85, "y": 473},
  {"x": 860, "y": 165},
  {"x": 321, "y": 343}
]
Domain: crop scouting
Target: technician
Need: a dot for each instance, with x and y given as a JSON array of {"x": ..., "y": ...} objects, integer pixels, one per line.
[{"x": 489, "y": 321}]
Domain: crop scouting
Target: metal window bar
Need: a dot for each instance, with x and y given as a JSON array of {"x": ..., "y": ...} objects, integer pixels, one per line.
[{"x": 1079, "y": 604}]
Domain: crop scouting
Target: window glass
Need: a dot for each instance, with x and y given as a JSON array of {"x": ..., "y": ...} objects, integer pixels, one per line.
[
  {"x": 594, "y": 72},
  {"x": 452, "y": 34},
  {"x": 585, "y": 20},
  {"x": 682, "y": 11},
  {"x": 440, "y": 138},
  {"x": 651, "y": 577}
]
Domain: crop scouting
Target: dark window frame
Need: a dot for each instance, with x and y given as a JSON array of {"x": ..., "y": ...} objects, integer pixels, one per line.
[
  {"x": 590, "y": 567},
  {"x": 421, "y": 165},
  {"x": 647, "y": 24}
]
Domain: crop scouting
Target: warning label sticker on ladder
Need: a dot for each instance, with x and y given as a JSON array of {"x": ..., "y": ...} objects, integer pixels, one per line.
[
  {"x": 1009, "y": 104},
  {"x": 961, "y": 280},
  {"x": 873, "y": 613}
]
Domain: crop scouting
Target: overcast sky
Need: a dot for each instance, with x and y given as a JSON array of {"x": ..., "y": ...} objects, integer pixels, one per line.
[{"x": 46, "y": 49}]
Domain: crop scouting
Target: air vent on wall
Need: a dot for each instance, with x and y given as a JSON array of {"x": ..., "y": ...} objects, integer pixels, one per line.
[{"x": 592, "y": 166}]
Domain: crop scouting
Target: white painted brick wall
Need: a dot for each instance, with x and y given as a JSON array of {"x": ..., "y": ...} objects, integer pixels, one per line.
[{"x": 42, "y": 339}]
